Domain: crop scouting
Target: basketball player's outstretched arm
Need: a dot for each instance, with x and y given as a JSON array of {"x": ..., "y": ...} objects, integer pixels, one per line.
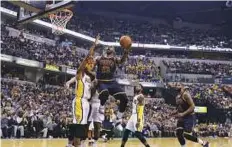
[
  {"x": 78, "y": 74},
  {"x": 91, "y": 50},
  {"x": 82, "y": 65},
  {"x": 124, "y": 56}
]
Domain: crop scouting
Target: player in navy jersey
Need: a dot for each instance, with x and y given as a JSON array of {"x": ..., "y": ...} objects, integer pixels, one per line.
[
  {"x": 107, "y": 85},
  {"x": 185, "y": 115}
]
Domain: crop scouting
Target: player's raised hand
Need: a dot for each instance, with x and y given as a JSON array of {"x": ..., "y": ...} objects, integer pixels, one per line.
[
  {"x": 91, "y": 51},
  {"x": 97, "y": 39},
  {"x": 67, "y": 85}
]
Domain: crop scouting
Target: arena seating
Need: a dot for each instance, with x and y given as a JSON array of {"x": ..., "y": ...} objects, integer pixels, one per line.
[
  {"x": 34, "y": 104},
  {"x": 214, "y": 94},
  {"x": 114, "y": 27},
  {"x": 199, "y": 68},
  {"x": 143, "y": 68}
]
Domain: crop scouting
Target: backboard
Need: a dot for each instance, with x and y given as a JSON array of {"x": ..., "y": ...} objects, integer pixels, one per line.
[{"x": 30, "y": 10}]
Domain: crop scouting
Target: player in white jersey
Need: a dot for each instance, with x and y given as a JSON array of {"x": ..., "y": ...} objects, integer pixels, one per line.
[
  {"x": 80, "y": 104},
  {"x": 135, "y": 123},
  {"x": 96, "y": 116}
]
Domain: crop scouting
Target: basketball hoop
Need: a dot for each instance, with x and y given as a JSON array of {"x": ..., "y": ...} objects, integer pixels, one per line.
[{"x": 59, "y": 20}]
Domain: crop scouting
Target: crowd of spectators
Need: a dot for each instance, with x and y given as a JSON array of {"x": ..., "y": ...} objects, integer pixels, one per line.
[
  {"x": 211, "y": 93},
  {"x": 30, "y": 110},
  {"x": 165, "y": 33},
  {"x": 214, "y": 130},
  {"x": 142, "y": 68},
  {"x": 114, "y": 27},
  {"x": 55, "y": 55},
  {"x": 192, "y": 67},
  {"x": 71, "y": 56},
  {"x": 34, "y": 111}
]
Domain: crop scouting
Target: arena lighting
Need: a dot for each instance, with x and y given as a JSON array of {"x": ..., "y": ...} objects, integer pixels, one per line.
[
  {"x": 138, "y": 45},
  {"x": 27, "y": 62},
  {"x": 6, "y": 58}
]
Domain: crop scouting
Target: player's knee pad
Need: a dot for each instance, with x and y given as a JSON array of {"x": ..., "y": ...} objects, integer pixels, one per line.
[
  {"x": 122, "y": 97},
  {"x": 125, "y": 135},
  {"x": 140, "y": 137},
  {"x": 103, "y": 96},
  {"x": 179, "y": 132},
  {"x": 180, "y": 136},
  {"x": 189, "y": 136}
]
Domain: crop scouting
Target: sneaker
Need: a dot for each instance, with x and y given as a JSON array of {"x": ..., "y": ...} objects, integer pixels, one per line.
[
  {"x": 104, "y": 138},
  {"x": 90, "y": 143},
  {"x": 206, "y": 144},
  {"x": 94, "y": 144}
]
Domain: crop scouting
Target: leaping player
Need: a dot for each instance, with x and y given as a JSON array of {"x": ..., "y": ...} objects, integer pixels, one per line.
[
  {"x": 107, "y": 85},
  {"x": 84, "y": 85},
  {"x": 136, "y": 121}
]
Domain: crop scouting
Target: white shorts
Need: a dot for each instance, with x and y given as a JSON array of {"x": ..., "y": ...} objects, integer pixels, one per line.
[
  {"x": 91, "y": 126},
  {"x": 131, "y": 124},
  {"x": 80, "y": 111},
  {"x": 95, "y": 116}
]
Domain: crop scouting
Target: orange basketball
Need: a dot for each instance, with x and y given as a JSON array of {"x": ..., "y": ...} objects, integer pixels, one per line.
[{"x": 125, "y": 42}]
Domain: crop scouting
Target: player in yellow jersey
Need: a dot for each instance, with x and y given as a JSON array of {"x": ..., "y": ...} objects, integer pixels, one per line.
[
  {"x": 135, "y": 123},
  {"x": 80, "y": 106}
]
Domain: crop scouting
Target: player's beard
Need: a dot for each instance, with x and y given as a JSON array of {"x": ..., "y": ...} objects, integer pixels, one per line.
[
  {"x": 177, "y": 89},
  {"x": 109, "y": 53}
]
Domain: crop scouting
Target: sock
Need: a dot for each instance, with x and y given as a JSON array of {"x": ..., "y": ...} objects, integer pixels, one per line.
[
  {"x": 94, "y": 143},
  {"x": 119, "y": 115},
  {"x": 182, "y": 145},
  {"x": 200, "y": 141}
]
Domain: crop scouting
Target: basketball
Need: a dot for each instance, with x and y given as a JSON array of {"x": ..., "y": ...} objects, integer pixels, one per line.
[{"x": 125, "y": 42}]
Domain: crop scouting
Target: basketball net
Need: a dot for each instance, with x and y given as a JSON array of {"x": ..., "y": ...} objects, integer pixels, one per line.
[{"x": 59, "y": 20}]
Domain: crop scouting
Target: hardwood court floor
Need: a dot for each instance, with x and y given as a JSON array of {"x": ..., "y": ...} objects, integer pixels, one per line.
[{"x": 154, "y": 142}]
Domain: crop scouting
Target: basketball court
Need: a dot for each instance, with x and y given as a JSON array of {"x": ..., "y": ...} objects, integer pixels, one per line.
[{"x": 154, "y": 142}]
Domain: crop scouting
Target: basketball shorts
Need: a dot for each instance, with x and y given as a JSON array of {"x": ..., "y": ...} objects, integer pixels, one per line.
[
  {"x": 112, "y": 86},
  {"x": 187, "y": 123},
  {"x": 131, "y": 124},
  {"x": 95, "y": 116},
  {"x": 77, "y": 130},
  {"x": 91, "y": 126},
  {"x": 80, "y": 111}
]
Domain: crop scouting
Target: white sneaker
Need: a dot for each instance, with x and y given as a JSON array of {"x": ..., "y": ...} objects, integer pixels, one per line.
[
  {"x": 94, "y": 143},
  {"x": 104, "y": 138}
]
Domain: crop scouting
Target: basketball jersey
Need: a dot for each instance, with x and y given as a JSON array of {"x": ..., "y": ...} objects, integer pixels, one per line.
[
  {"x": 135, "y": 107},
  {"x": 182, "y": 105},
  {"x": 95, "y": 98},
  {"x": 83, "y": 87},
  {"x": 106, "y": 68}
]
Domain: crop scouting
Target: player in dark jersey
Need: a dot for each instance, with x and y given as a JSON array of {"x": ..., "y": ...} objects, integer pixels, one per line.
[
  {"x": 185, "y": 116},
  {"x": 107, "y": 85}
]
